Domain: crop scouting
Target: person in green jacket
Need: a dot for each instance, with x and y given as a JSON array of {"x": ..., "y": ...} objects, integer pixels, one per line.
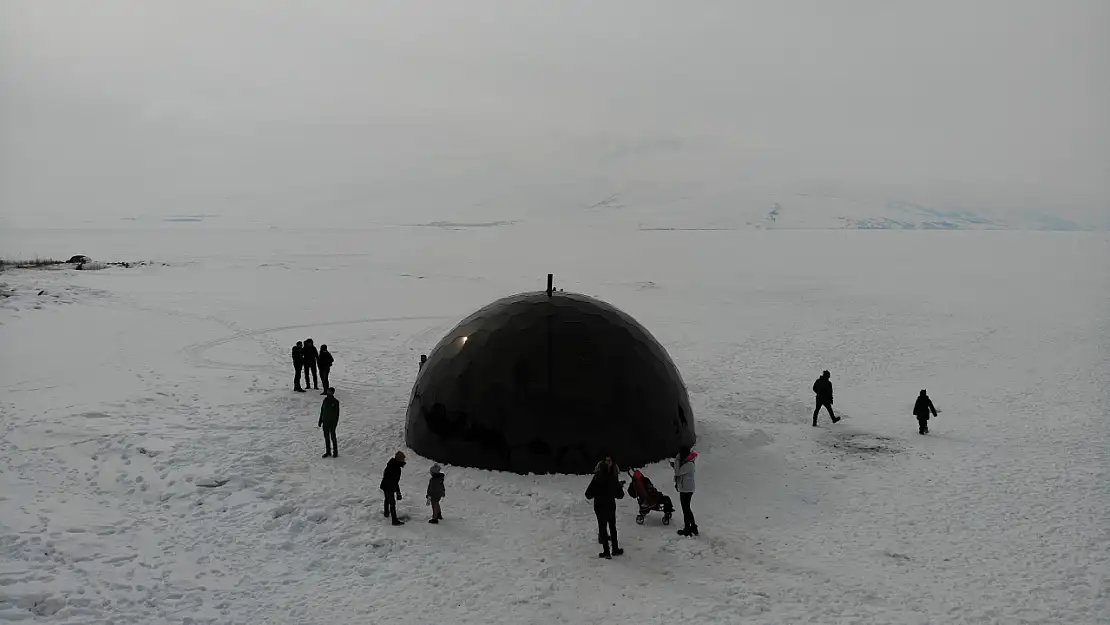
[{"x": 329, "y": 418}]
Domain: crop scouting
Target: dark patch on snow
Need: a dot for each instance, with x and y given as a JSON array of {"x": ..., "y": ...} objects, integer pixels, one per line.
[{"x": 862, "y": 443}]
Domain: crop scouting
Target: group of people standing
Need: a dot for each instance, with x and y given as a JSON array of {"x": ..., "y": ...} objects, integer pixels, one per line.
[
  {"x": 391, "y": 488},
  {"x": 606, "y": 488},
  {"x": 316, "y": 364}
]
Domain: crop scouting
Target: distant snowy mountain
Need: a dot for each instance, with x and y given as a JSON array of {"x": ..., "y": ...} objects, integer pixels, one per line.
[{"x": 811, "y": 211}]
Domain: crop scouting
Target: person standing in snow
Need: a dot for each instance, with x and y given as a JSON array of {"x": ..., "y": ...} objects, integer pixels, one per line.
[
  {"x": 423, "y": 361},
  {"x": 391, "y": 485},
  {"x": 329, "y": 418},
  {"x": 324, "y": 362},
  {"x": 823, "y": 389},
  {"x": 684, "y": 483},
  {"x": 298, "y": 364},
  {"x": 921, "y": 409},
  {"x": 310, "y": 356},
  {"x": 605, "y": 489},
  {"x": 436, "y": 491}
]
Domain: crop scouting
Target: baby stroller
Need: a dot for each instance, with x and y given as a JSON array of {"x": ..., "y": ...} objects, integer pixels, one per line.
[{"x": 649, "y": 498}]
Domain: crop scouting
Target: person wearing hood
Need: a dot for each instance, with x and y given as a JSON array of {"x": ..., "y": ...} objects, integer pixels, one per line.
[
  {"x": 324, "y": 362},
  {"x": 684, "y": 483},
  {"x": 298, "y": 364},
  {"x": 310, "y": 356},
  {"x": 391, "y": 485},
  {"x": 436, "y": 491},
  {"x": 921, "y": 409},
  {"x": 605, "y": 489}
]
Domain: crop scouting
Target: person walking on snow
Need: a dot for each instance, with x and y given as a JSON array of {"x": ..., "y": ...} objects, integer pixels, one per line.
[
  {"x": 605, "y": 489},
  {"x": 823, "y": 389},
  {"x": 436, "y": 491},
  {"x": 391, "y": 485},
  {"x": 324, "y": 362},
  {"x": 298, "y": 364},
  {"x": 684, "y": 483},
  {"x": 921, "y": 409},
  {"x": 329, "y": 418},
  {"x": 310, "y": 356}
]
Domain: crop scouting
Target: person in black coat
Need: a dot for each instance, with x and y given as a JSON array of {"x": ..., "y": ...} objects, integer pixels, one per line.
[
  {"x": 921, "y": 409},
  {"x": 310, "y": 356},
  {"x": 298, "y": 364},
  {"x": 324, "y": 362},
  {"x": 329, "y": 420},
  {"x": 823, "y": 389},
  {"x": 605, "y": 489},
  {"x": 391, "y": 485}
]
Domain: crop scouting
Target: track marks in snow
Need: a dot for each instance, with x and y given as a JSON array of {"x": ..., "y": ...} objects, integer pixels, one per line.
[{"x": 195, "y": 354}]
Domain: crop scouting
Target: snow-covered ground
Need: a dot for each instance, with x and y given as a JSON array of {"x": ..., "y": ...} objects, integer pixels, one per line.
[{"x": 157, "y": 468}]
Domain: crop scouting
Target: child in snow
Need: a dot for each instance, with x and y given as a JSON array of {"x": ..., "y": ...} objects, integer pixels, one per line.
[
  {"x": 921, "y": 409},
  {"x": 436, "y": 491},
  {"x": 684, "y": 484}
]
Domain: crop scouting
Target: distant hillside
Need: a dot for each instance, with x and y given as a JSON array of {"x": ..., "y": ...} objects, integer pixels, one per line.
[{"x": 819, "y": 212}]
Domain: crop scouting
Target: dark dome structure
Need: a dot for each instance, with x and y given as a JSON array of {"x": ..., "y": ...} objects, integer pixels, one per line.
[{"x": 548, "y": 382}]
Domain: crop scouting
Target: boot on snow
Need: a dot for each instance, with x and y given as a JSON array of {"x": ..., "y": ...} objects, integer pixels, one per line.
[
  {"x": 434, "y": 520},
  {"x": 605, "y": 554},
  {"x": 326, "y": 455},
  {"x": 617, "y": 550}
]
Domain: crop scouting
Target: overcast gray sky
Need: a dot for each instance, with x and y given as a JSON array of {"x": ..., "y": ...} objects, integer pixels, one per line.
[{"x": 356, "y": 108}]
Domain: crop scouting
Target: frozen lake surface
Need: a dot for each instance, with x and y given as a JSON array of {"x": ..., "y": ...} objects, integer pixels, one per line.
[{"x": 157, "y": 468}]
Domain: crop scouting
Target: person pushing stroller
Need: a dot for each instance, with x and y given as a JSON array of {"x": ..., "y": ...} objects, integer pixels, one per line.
[{"x": 649, "y": 498}]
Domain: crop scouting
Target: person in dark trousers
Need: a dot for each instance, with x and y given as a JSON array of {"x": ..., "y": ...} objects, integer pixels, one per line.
[
  {"x": 823, "y": 389},
  {"x": 605, "y": 489},
  {"x": 310, "y": 356},
  {"x": 436, "y": 492},
  {"x": 329, "y": 418},
  {"x": 298, "y": 364},
  {"x": 324, "y": 362},
  {"x": 684, "y": 483},
  {"x": 921, "y": 409},
  {"x": 391, "y": 485}
]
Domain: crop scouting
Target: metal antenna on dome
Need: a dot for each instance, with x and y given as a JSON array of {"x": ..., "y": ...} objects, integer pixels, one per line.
[{"x": 550, "y": 277}]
